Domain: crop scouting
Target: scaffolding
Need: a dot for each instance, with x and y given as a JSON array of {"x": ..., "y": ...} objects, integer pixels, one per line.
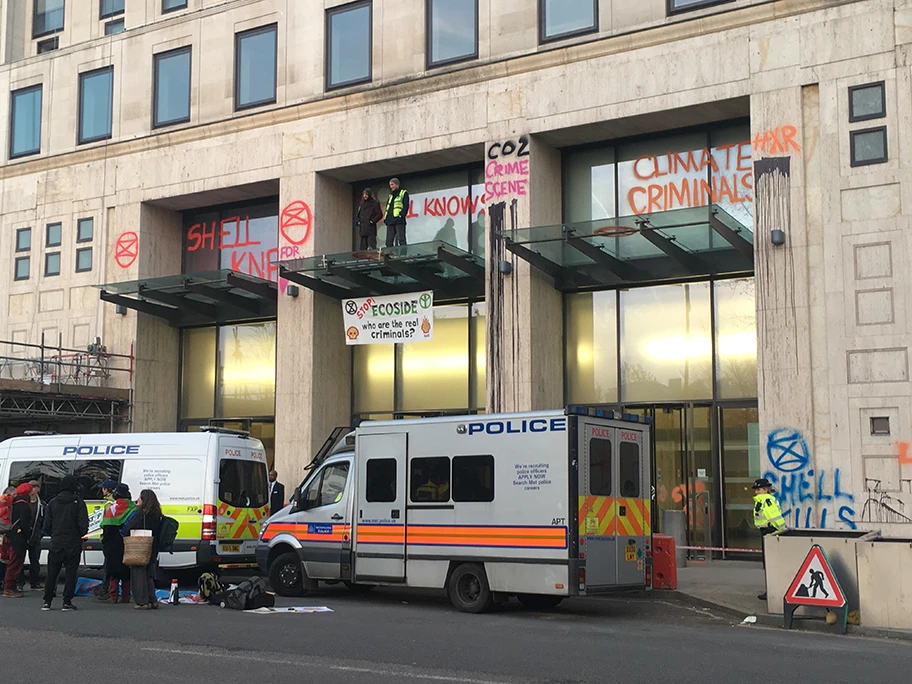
[{"x": 50, "y": 384}]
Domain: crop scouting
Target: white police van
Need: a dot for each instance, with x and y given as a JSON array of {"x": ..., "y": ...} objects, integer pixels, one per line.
[
  {"x": 537, "y": 505},
  {"x": 214, "y": 483}
]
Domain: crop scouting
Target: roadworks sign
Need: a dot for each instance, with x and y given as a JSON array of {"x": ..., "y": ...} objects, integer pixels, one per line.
[{"x": 816, "y": 583}]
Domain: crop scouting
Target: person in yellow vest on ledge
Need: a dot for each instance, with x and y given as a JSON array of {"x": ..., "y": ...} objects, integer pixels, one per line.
[
  {"x": 397, "y": 209},
  {"x": 767, "y": 515}
]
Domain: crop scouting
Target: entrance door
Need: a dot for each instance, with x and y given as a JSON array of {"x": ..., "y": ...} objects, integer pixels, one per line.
[{"x": 380, "y": 509}]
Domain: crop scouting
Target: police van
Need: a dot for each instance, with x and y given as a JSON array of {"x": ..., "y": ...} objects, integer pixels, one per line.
[
  {"x": 540, "y": 506},
  {"x": 214, "y": 483}
]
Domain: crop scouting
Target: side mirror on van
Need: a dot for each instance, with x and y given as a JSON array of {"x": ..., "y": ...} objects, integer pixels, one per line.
[{"x": 296, "y": 500}]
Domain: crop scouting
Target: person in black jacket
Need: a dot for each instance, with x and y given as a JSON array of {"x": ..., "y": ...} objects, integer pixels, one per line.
[
  {"x": 369, "y": 214},
  {"x": 18, "y": 539},
  {"x": 146, "y": 516},
  {"x": 276, "y": 493},
  {"x": 67, "y": 522},
  {"x": 34, "y": 546}
]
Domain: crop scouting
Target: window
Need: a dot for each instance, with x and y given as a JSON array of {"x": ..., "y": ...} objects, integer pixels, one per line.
[
  {"x": 90, "y": 473},
  {"x": 110, "y": 8},
  {"x": 96, "y": 104},
  {"x": 566, "y": 18},
  {"x": 83, "y": 260},
  {"x": 23, "y": 268},
  {"x": 25, "y": 122},
  {"x": 868, "y": 146},
  {"x": 452, "y": 30},
  {"x": 243, "y": 484},
  {"x": 48, "y": 473},
  {"x": 473, "y": 478},
  {"x": 47, "y": 17},
  {"x": 53, "y": 235},
  {"x": 23, "y": 239},
  {"x": 867, "y": 102},
  {"x": 381, "y": 480},
  {"x": 172, "y": 5},
  {"x": 85, "y": 230},
  {"x": 430, "y": 479},
  {"x": 599, "y": 467},
  {"x": 348, "y": 45},
  {"x": 629, "y": 465},
  {"x": 171, "y": 93},
  {"x": 255, "y": 67},
  {"x": 52, "y": 264},
  {"x": 48, "y": 45},
  {"x": 327, "y": 487},
  {"x": 112, "y": 28},
  {"x": 880, "y": 426},
  {"x": 678, "y": 6}
]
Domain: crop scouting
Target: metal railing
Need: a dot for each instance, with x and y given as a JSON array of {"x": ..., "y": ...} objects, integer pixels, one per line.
[{"x": 51, "y": 364}]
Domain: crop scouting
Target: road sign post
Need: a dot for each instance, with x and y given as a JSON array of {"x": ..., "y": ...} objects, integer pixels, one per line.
[{"x": 815, "y": 585}]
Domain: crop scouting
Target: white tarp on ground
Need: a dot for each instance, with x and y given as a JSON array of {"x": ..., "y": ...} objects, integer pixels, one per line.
[{"x": 285, "y": 610}]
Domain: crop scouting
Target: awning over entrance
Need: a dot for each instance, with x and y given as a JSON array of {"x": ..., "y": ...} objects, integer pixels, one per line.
[
  {"x": 213, "y": 298},
  {"x": 671, "y": 245},
  {"x": 451, "y": 272}
]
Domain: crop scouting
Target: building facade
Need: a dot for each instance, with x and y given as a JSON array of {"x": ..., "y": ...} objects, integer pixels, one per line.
[{"x": 691, "y": 210}]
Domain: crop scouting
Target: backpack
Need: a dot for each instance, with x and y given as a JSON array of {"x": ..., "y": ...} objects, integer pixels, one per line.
[
  {"x": 248, "y": 595},
  {"x": 211, "y": 588},
  {"x": 168, "y": 533},
  {"x": 6, "y": 514}
]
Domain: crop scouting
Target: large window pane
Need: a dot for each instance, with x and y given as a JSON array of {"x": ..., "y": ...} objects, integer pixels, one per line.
[
  {"x": 255, "y": 67},
  {"x": 479, "y": 332},
  {"x": 373, "y": 374},
  {"x": 741, "y": 465},
  {"x": 591, "y": 348},
  {"x": 48, "y": 473},
  {"x": 96, "y": 104},
  {"x": 666, "y": 343},
  {"x": 111, "y": 7},
  {"x": 564, "y": 17},
  {"x": 247, "y": 373},
  {"x": 198, "y": 373},
  {"x": 243, "y": 239},
  {"x": 48, "y": 17},
  {"x": 349, "y": 44},
  {"x": 736, "y": 339},
  {"x": 599, "y": 467},
  {"x": 243, "y": 483},
  {"x": 171, "y": 5},
  {"x": 453, "y": 28},
  {"x": 172, "y": 87},
  {"x": 589, "y": 185},
  {"x": 676, "y": 6},
  {"x": 435, "y": 374},
  {"x": 25, "y": 123}
]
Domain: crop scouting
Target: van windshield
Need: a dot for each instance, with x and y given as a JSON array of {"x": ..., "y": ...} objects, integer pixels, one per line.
[{"x": 243, "y": 484}]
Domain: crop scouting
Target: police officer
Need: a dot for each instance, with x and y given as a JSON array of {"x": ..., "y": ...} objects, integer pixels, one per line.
[
  {"x": 397, "y": 209},
  {"x": 767, "y": 515}
]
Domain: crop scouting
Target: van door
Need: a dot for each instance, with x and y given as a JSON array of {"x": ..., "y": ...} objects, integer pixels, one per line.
[
  {"x": 381, "y": 510},
  {"x": 597, "y": 509},
  {"x": 633, "y": 510},
  {"x": 324, "y": 524}
]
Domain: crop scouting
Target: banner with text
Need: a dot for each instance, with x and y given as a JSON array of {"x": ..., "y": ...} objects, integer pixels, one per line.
[{"x": 387, "y": 320}]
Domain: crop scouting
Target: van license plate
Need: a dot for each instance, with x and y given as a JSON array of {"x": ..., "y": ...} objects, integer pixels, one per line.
[
  {"x": 231, "y": 548},
  {"x": 630, "y": 552}
]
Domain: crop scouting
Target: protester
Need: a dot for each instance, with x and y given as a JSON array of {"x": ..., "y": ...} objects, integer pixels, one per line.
[
  {"x": 107, "y": 492},
  {"x": 116, "y": 514},
  {"x": 276, "y": 493},
  {"x": 369, "y": 214},
  {"x": 397, "y": 209},
  {"x": 18, "y": 537},
  {"x": 67, "y": 522},
  {"x": 6, "y": 512},
  {"x": 34, "y": 545},
  {"x": 146, "y": 516}
]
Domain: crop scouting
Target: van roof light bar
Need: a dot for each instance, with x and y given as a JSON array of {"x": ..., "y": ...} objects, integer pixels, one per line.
[
  {"x": 38, "y": 433},
  {"x": 224, "y": 430}
]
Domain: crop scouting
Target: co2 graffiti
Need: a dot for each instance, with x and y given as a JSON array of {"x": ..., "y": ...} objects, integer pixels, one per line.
[{"x": 804, "y": 491}]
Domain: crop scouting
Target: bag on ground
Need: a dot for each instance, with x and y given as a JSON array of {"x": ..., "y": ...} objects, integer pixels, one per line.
[
  {"x": 168, "y": 533},
  {"x": 211, "y": 588},
  {"x": 248, "y": 595}
]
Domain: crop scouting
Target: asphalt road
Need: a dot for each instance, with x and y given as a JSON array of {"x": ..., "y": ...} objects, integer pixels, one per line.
[{"x": 394, "y": 636}]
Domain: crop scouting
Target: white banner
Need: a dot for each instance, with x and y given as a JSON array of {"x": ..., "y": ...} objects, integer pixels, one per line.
[{"x": 388, "y": 320}]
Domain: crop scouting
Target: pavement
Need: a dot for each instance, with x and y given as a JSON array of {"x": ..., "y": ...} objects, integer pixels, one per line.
[
  {"x": 733, "y": 586},
  {"x": 393, "y": 635}
]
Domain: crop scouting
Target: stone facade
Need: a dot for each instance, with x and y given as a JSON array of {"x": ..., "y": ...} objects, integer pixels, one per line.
[{"x": 834, "y": 331}]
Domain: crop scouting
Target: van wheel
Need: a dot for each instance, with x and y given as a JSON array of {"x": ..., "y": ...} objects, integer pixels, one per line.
[
  {"x": 286, "y": 575},
  {"x": 358, "y": 588},
  {"x": 539, "y": 601},
  {"x": 468, "y": 589}
]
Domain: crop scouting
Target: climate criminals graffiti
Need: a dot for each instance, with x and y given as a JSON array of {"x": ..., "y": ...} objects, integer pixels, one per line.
[{"x": 810, "y": 498}]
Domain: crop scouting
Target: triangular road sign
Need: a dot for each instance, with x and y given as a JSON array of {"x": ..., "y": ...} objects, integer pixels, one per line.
[{"x": 816, "y": 583}]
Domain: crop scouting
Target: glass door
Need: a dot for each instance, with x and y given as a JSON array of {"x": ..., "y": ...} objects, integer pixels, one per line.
[{"x": 739, "y": 442}]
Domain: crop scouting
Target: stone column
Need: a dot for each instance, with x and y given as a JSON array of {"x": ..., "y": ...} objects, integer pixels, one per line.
[{"x": 525, "y": 313}]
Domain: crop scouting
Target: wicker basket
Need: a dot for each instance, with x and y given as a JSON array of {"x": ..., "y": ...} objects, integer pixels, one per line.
[{"x": 137, "y": 550}]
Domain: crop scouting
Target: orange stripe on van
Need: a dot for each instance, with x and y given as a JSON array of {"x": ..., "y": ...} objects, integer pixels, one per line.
[
  {"x": 381, "y": 534},
  {"x": 488, "y": 536}
]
